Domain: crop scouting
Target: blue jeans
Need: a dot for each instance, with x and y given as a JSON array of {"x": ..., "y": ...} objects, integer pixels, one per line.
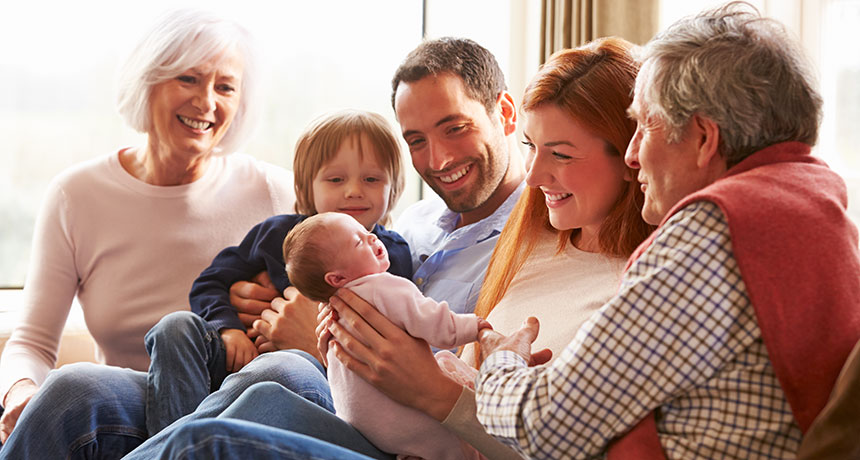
[
  {"x": 91, "y": 411},
  {"x": 295, "y": 370},
  {"x": 188, "y": 362},
  {"x": 288, "y": 426},
  {"x": 230, "y": 438},
  {"x": 83, "y": 410}
]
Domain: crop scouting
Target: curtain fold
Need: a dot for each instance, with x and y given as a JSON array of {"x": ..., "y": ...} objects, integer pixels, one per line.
[{"x": 571, "y": 23}]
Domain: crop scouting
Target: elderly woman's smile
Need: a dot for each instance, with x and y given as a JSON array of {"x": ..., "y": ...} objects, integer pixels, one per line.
[
  {"x": 195, "y": 124},
  {"x": 192, "y": 112}
]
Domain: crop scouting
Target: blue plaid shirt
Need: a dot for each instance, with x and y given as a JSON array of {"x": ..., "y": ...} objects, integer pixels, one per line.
[{"x": 680, "y": 338}]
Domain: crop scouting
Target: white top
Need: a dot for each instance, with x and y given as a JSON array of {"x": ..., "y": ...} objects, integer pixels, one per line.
[
  {"x": 130, "y": 251},
  {"x": 561, "y": 291}
]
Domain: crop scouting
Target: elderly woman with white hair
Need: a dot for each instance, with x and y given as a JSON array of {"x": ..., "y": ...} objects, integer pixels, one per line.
[{"x": 129, "y": 232}]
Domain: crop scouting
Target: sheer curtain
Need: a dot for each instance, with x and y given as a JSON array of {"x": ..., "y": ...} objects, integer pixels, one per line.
[{"x": 570, "y": 23}]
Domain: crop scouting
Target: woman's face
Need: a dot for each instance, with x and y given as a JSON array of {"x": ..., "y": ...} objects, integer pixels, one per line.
[
  {"x": 579, "y": 179},
  {"x": 191, "y": 112}
]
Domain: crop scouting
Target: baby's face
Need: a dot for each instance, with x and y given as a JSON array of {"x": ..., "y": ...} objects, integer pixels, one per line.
[{"x": 358, "y": 252}]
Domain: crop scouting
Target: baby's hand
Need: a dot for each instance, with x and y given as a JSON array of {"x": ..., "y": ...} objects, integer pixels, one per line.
[
  {"x": 484, "y": 324},
  {"x": 240, "y": 349}
]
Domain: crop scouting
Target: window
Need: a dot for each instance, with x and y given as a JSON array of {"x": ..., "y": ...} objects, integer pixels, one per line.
[
  {"x": 60, "y": 59},
  {"x": 839, "y": 65}
]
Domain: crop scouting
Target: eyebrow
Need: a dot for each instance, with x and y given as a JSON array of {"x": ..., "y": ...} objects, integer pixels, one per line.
[
  {"x": 552, "y": 143},
  {"x": 555, "y": 143},
  {"x": 223, "y": 76},
  {"x": 448, "y": 119}
]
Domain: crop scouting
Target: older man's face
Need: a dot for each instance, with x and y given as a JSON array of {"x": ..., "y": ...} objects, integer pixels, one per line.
[{"x": 667, "y": 171}]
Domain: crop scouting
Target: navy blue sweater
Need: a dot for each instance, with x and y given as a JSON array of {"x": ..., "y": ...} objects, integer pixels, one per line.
[{"x": 261, "y": 249}]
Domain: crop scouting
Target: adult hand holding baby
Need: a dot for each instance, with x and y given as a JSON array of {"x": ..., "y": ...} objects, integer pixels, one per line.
[{"x": 393, "y": 361}]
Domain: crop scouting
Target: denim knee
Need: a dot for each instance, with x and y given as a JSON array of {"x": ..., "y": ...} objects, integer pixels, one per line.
[
  {"x": 72, "y": 379},
  {"x": 93, "y": 383},
  {"x": 82, "y": 407},
  {"x": 264, "y": 391},
  {"x": 296, "y": 371},
  {"x": 277, "y": 365},
  {"x": 272, "y": 392},
  {"x": 308, "y": 357},
  {"x": 178, "y": 323}
]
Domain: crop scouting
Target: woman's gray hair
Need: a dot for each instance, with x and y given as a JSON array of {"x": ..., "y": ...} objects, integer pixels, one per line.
[
  {"x": 738, "y": 69},
  {"x": 180, "y": 40}
]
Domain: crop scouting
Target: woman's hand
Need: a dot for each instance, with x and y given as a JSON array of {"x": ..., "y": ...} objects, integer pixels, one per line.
[
  {"x": 289, "y": 323},
  {"x": 240, "y": 349},
  {"x": 397, "y": 364},
  {"x": 251, "y": 298},
  {"x": 16, "y": 400}
]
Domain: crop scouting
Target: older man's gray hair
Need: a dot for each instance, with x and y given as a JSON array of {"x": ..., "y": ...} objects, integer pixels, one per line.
[{"x": 738, "y": 69}]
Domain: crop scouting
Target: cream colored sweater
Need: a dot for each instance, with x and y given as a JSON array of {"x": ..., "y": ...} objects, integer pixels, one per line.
[{"x": 561, "y": 291}]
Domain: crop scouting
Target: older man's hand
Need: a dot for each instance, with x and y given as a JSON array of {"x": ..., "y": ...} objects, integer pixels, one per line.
[{"x": 520, "y": 342}]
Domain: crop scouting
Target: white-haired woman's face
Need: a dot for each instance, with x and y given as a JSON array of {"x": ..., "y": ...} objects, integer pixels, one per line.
[{"x": 191, "y": 112}]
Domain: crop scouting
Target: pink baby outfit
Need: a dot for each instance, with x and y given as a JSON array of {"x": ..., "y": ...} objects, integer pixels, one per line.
[{"x": 390, "y": 426}]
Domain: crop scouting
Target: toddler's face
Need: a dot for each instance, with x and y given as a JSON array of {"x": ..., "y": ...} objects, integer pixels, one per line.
[
  {"x": 358, "y": 252},
  {"x": 353, "y": 183}
]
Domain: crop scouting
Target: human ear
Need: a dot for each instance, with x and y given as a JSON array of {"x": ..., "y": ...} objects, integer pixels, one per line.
[
  {"x": 335, "y": 279},
  {"x": 508, "y": 111},
  {"x": 707, "y": 140}
]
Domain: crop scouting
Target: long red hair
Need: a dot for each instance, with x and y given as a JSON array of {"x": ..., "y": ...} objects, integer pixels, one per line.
[{"x": 594, "y": 85}]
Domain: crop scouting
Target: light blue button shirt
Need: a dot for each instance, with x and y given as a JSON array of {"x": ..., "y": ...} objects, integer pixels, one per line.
[{"x": 450, "y": 263}]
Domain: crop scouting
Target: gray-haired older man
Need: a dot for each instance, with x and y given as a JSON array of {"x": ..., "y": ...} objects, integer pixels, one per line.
[{"x": 733, "y": 320}]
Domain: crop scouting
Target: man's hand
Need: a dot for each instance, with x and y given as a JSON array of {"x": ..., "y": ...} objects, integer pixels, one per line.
[
  {"x": 289, "y": 323},
  {"x": 240, "y": 349},
  {"x": 16, "y": 400},
  {"x": 520, "y": 342},
  {"x": 251, "y": 298}
]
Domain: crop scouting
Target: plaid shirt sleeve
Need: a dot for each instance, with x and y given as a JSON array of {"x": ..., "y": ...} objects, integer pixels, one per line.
[{"x": 681, "y": 317}]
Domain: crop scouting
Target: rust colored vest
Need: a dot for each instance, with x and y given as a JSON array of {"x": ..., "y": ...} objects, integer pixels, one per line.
[{"x": 798, "y": 255}]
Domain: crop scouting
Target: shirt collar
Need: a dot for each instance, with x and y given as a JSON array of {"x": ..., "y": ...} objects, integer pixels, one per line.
[{"x": 485, "y": 227}]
